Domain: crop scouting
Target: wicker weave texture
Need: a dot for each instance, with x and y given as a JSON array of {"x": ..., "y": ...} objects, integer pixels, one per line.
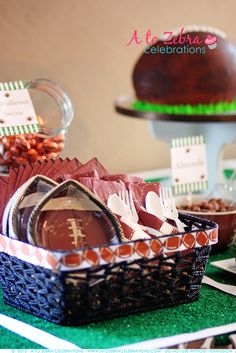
[{"x": 82, "y": 296}]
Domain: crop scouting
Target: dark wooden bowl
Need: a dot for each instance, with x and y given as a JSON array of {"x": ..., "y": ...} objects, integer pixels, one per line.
[{"x": 225, "y": 220}]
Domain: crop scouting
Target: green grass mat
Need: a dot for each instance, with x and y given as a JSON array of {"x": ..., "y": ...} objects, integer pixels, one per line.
[
  {"x": 157, "y": 179},
  {"x": 213, "y": 309},
  {"x": 186, "y": 109}
]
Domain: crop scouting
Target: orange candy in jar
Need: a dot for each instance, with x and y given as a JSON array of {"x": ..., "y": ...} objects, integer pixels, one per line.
[
  {"x": 18, "y": 149},
  {"x": 54, "y": 111}
]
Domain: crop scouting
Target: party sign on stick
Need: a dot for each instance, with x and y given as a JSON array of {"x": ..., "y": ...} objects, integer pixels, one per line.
[
  {"x": 189, "y": 164},
  {"x": 17, "y": 114}
]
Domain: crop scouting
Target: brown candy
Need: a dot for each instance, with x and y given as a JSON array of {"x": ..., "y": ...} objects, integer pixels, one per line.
[
  {"x": 211, "y": 205},
  {"x": 50, "y": 146},
  {"x": 21, "y": 143},
  {"x": 29, "y": 148}
]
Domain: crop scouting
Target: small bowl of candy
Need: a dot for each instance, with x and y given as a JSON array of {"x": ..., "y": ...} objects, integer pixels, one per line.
[{"x": 220, "y": 211}]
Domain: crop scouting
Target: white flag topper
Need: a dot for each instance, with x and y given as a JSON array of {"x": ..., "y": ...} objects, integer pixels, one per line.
[
  {"x": 189, "y": 164},
  {"x": 17, "y": 114}
]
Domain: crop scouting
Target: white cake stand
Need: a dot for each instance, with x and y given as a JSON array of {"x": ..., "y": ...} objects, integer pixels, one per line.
[{"x": 218, "y": 130}]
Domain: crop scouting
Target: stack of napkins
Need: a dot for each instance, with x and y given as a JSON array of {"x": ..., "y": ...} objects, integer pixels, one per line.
[{"x": 64, "y": 205}]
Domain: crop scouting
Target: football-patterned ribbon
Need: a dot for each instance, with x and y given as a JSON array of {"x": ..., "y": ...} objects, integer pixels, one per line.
[{"x": 94, "y": 256}]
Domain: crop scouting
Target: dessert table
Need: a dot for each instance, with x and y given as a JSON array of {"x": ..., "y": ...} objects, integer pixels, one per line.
[{"x": 214, "y": 308}]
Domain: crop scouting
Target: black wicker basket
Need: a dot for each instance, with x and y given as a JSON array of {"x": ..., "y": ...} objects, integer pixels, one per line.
[{"x": 94, "y": 284}]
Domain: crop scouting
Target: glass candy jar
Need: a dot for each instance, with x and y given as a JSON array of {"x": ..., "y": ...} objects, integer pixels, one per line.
[{"x": 54, "y": 111}]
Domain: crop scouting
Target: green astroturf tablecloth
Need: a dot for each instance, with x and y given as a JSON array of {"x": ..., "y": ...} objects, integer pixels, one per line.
[{"x": 213, "y": 309}]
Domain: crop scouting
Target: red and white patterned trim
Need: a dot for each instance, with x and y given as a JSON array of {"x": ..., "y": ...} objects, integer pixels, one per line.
[
  {"x": 29, "y": 253},
  {"x": 85, "y": 258}
]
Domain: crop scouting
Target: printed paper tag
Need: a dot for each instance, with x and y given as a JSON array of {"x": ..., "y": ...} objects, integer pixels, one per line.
[
  {"x": 189, "y": 164},
  {"x": 17, "y": 114}
]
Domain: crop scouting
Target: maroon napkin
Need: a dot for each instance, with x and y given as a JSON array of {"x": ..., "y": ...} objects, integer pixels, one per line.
[
  {"x": 46, "y": 170},
  {"x": 128, "y": 232},
  {"x": 11, "y": 183},
  {"x": 34, "y": 167},
  {"x": 92, "y": 168},
  {"x": 74, "y": 165},
  {"x": 139, "y": 192},
  {"x": 30, "y": 170},
  {"x": 102, "y": 188},
  {"x": 25, "y": 176},
  {"x": 124, "y": 178},
  {"x": 58, "y": 168},
  {"x": 42, "y": 166},
  {"x": 149, "y": 220},
  {"x": 66, "y": 166},
  {"x": 19, "y": 176}
]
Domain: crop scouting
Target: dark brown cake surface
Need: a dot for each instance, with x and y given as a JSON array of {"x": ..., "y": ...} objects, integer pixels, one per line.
[{"x": 185, "y": 78}]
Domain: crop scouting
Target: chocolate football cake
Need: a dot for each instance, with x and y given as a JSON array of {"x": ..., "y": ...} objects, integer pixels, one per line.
[{"x": 189, "y": 72}]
